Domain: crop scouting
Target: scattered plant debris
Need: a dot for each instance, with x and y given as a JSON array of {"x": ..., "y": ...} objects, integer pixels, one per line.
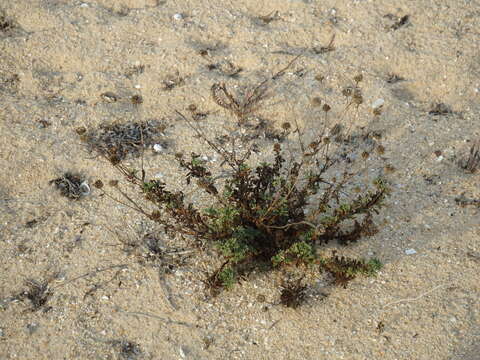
[
  {"x": 380, "y": 327},
  {"x": 196, "y": 114},
  {"x": 44, "y": 123},
  {"x": 267, "y": 19},
  {"x": 244, "y": 106},
  {"x": 117, "y": 141},
  {"x": 173, "y": 81},
  {"x": 398, "y": 21},
  {"x": 394, "y": 78},
  {"x": 241, "y": 108},
  {"x": 129, "y": 350},
  {"x": 325, "y": 49},
  {"x": 6, "y": 23},
  {"x": 462, "y": 200},
  {"x": 9, "y": 82},
  {"x": 38, "y": 293},
  {"x": 226, "y": 68},
  {"x": 31, "y": 224},
  {"x": 440, "y": 109},
  {"x": 72, "y": 186},
  {"x": 134, "y": 71},
  {"x": 471, "y": 162},
  {"x": 167, "y": 258},
  {"x": 136, "y": 99},
  {"x": 109, "y": 97}
]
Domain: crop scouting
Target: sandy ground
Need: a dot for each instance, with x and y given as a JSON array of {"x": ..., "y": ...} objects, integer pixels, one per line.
[{"x": 58, "y": 56}]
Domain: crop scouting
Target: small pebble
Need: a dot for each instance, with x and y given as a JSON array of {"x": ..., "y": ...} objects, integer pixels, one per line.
[
  {"x": 178, "y": 17},
  {"x": 410, "y": 251},
  {"x": 109, "y": 97},
  {"x": 158, "y": 148},
  {"x": 378, "y": 103},
  {"x": 84, "y": 188}
]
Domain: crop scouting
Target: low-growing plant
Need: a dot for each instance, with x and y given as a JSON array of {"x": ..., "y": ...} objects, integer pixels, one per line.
[
  {"x": 471, "y": 162},
  {"x": 273, "y": 214}
]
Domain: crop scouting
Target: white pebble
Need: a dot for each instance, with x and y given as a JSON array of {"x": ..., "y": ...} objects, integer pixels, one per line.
[
  {"x": 137, "y": 86},
  {"x": 84, "y": 188},
  {"x": 410, "y": 251},
  {"x": 178, "y": 17},
  {"x": 157, "y": 148},
  {"x": 182, "y": 353},
  {"x": 378, "y": 103},
  {"x": 84, "y": 5}
]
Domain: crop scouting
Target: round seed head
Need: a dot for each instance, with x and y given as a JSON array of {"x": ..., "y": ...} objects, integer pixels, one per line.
[
  {"x": 358, "y": 78},
  {"x": 98, "y": 184}
]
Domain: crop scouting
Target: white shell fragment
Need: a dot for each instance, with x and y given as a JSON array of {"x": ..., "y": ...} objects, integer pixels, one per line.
[
  {"x": 178, "y": 17},
  {"x": 157, "y": 148},
  {"x": 410, "y": 251},
  {"x": 378, "y": 103},
  {"x": 84, "y": 189}
]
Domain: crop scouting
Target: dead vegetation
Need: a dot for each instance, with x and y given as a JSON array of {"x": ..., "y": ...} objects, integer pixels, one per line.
[
  {"x": 118, "y": 141},
  {"x": 7, "y": 25},
  {"x": 471, "y": 161},
  {"x": 37, "y": 293},
  {"x": 72, "y": 186}
]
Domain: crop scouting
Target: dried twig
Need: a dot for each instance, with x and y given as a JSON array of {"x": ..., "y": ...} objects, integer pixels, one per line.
[
  {"x": 153, "y": 316},
  {"x": 416, "y": 298},
  {"x": 93, "y": 273}
]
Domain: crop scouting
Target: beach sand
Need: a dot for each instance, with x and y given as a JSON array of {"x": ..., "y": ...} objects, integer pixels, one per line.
[{"x": 58, "y": 57}]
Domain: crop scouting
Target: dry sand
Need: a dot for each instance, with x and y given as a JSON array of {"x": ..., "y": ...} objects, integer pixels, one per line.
[{"x": 58, "y": 56}]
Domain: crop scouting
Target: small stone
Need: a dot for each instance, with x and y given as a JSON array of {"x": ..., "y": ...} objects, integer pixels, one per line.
[
  {"x": 84, "y": 189},
  {"x": 410, "y": 251},
  {"x": 109, "y": 97},
  {"x": 378, "y": 103},
  {"x": 83, "y": 5},
  {"x": 178, "y": 17},
  {"x": 158, "y": 148}
]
